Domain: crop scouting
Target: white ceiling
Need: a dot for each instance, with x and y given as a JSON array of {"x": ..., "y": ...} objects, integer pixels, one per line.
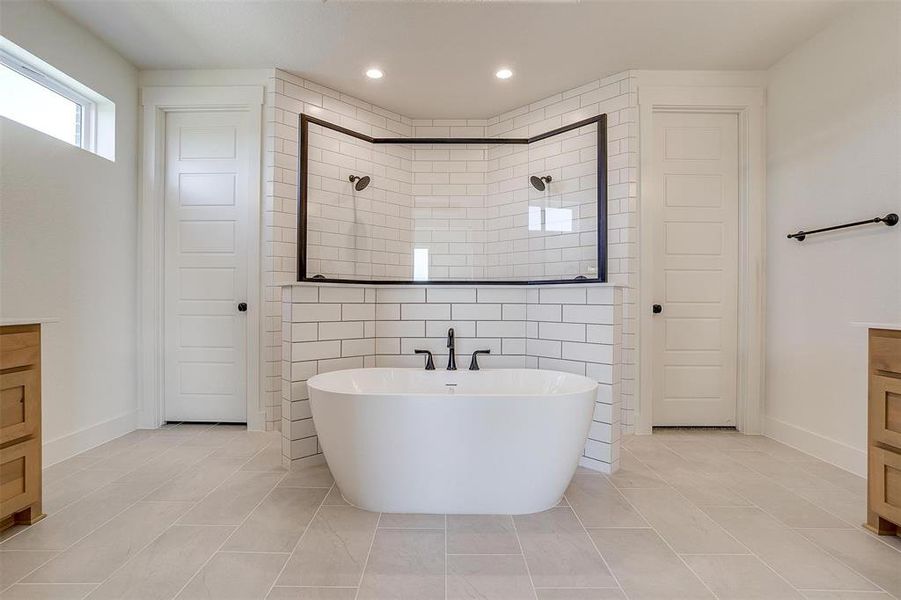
[{"x": 439, "y": 59}]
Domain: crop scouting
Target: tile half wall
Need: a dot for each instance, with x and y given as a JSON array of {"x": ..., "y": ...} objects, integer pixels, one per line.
[{"x": 573, "y": 328}]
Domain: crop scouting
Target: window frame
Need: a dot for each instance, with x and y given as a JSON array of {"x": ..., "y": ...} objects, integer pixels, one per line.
[{"x": 87, "y": 120}]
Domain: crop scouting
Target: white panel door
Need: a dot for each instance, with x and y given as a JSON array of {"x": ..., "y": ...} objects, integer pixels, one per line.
[
  {"x": 695, "y": 268},
  {"x": 206, "y": 270}
]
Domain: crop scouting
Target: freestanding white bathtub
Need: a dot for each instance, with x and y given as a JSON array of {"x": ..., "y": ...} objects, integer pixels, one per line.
[{"x": 504, "y": 441}]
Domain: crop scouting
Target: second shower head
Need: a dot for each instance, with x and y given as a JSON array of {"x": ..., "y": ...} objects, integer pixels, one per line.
[
  {"x": 540, "y": 183},
  {"x": 361, "y": 182}
]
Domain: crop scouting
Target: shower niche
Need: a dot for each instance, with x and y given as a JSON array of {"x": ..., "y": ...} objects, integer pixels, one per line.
[{"x": 515, "y": 210}]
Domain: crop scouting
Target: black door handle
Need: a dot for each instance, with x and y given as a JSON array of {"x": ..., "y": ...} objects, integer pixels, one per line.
[
  {"x": 242, "y": 307},
  {"x": 657, "y": 309}
]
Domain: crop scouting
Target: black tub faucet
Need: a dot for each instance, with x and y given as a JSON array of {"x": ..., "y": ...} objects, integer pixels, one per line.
[
  {"x": 474, "y": 363},
  {"x": 429, "y": 363},
  {"x": 451, "y": 356}
]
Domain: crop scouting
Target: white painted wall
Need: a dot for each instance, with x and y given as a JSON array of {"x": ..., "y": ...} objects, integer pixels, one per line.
[
  {"x": 833, "y": 156},
  {"x": 68, "y": 240}
]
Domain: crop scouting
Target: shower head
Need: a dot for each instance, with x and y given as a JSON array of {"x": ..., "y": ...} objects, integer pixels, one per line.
[
  {"x": 361, "y": 182},
  {"x": 539, "y": 183}
]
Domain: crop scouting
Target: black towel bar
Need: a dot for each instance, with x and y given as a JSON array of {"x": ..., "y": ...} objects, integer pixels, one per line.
[{"x": 889, "y": 219}]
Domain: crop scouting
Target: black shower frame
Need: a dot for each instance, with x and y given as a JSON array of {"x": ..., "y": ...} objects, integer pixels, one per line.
[{"x": 303, "y": 157}]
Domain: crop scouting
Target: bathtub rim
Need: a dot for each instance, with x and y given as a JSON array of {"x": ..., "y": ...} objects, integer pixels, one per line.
[{"x": 591, "y": 385}]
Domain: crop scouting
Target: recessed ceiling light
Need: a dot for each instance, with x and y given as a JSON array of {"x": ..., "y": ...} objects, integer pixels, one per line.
[
  {"x": 504, "y": 73},
  {"x": 374, "y": 73}
]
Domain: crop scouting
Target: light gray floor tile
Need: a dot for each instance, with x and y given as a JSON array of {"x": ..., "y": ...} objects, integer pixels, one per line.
[
  {"x": 405, "y": 564},
  {"x": 851, "y": 507},
  {"x": 682, "y": 524},
  {"x": 333, "y": 550},
  {"x": 828, "y": 595},
  {"x": 231, "y": 502},
  {"x": 61, "y": 530},
  {"x": 788, "y": 553},
  {"x": 787, "y": 506},
  {"x": 235, "y": 576},
  {"x": 740, "y": 578},
  {"x": 633, "y": 474},
  {"x": 100, "y": 553},
  {"x": 316, "y": 476},
  {"x": 481, "y": 534},
  {"x": 268, "y": 459},
  {"x": 160, "y": 570},
  {"x": 278, "y": 522},
  {"x": 645, "y": 567},
  {"x": 867, "y": 555},
  {"x": 599, "y": 504},
  {"x": 558, "y": 551},
  {"x": 48, "y": 591},
  {"x": 71, "y": 489},
  {"x": 300, "y": 593},
  {"x": 198, "y": 480},
  {"x": 582, "y": 594},
  {"x": 704, "y": 489},
  {"x": 16, "y": 565},
  {"x": 411, "y": 521},
  {"x": 335, "y": 498},
  {"x": 488, "y": 578}
]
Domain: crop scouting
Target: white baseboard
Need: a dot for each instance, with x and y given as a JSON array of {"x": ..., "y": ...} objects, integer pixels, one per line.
[
  {"x": 832, "y": 451},
  {"x": 69, "y": 445}
]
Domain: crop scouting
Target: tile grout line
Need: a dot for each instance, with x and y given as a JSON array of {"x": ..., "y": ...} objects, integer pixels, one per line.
[
  {"x": 300, "y": 539},
  {"x": 124, "y": 509},
  {"x": 595, "y": 546},
  {"x": 752, "y": 553},
  {"x": 171, "y": 525},
  {"x": 764, "y": 511},
  {"x": 523, "y": 554},
  {"x": 665, "y": 541},
  {"x": 445, "y": 556},
  {"x": 238, "y": 527},
  {"x": 375, "y": 532}
]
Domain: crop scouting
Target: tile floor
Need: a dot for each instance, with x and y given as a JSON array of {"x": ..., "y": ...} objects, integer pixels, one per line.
[{"x": 196, "y": 511}]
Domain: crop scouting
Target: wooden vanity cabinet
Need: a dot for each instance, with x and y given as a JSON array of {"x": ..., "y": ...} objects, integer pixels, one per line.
[
  {"x": 884, "y": 436},
  {"x": 20, "y": 425}
]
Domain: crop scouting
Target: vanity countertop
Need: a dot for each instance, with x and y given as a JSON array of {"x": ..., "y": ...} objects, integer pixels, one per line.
[
  {"x": 27, "y": 320},
  {"x": 895, "y": 326}
]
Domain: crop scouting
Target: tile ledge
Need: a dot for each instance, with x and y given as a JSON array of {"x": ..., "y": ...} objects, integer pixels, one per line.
[{"x": 462, "y": 286}]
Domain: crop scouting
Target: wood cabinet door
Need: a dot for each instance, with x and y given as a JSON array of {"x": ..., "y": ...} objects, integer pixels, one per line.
[
  {"x": 20, "y": 476},
  {"x": 20, "y": 407},
  {"x": 885, "y": 484},
  {"x": 885, "y": 410}
]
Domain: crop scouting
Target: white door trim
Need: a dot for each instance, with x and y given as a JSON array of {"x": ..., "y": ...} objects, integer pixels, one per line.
[
  {"x": 748, "y": 104},
  {"x": 155, "y": 103}
]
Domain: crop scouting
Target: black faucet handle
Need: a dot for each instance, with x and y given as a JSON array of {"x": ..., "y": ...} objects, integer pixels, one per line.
[
  {"x": 474, "y": 363},
  {"x": 429, "y": 363}
]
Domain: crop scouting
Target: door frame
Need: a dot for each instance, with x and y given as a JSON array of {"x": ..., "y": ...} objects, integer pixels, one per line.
[
  {"x": 748, "y": 104},
  {"x": 155, "y": 103}
]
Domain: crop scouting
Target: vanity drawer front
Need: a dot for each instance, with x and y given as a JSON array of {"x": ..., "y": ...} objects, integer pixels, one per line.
[
  {"x": 885, "y": 484},
  {"x": 20, "y": 349},
  {"x": 20, "y": 476},
  {"x": 20, "y": 407},
  {"x": 885, "y": 410},
  {"x": 885, "y": 350}
]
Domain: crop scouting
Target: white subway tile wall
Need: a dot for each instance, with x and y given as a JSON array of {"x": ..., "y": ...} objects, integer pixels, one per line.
[
  {"x": 289, "y": 95},
  {"x": 577, "y": 329}
]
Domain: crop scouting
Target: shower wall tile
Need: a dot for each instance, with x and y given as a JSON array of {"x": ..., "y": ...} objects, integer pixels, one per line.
[
  {"x": 481, "y": 182},
  {"x": 392, "y": 322}
]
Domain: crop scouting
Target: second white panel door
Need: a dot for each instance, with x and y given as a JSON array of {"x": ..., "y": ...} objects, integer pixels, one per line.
[
  {"x": 695, "y": 165},
  {"x": 206, "y": 266}
]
